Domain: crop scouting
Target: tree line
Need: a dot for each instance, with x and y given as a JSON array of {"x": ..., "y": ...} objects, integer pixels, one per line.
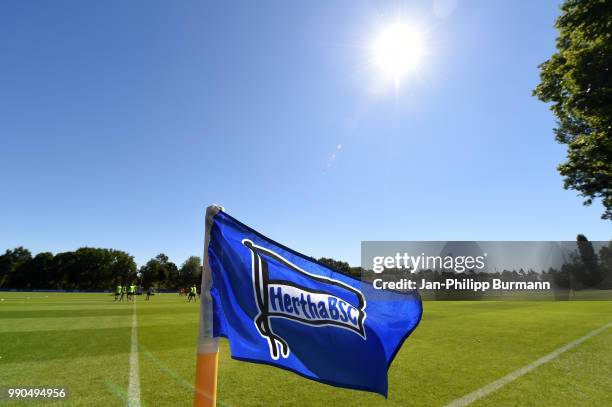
[
  {"x": 90, "y": 268},
  {"x": 586, "y": 268}
]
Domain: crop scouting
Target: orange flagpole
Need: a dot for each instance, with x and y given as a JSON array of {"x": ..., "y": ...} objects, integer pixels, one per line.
[
  {"x": 206, "y": 375},
  {"x": 207, "y": 362}
]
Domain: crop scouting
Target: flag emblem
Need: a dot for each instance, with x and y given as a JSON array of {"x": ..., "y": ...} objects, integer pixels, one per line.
[{"x": 339, "y": 305}]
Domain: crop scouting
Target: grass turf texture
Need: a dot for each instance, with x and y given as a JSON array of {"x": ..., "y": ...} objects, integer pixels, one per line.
[{"x": 82, "y": 342}]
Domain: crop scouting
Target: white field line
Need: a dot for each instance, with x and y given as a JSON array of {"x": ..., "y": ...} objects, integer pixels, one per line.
[
  {"x": 497, "y": 384},
  {"x": 133, "y": 399}
]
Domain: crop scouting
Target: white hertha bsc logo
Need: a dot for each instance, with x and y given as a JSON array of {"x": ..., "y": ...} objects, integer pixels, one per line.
[{"x": 330, "y": 303}]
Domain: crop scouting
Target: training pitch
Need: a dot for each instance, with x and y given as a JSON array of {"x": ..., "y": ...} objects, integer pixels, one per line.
[{"x": 83, "y": 342}]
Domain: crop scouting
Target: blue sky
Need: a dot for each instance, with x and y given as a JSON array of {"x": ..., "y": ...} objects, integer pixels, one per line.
[{"x": 121, "y": 121}]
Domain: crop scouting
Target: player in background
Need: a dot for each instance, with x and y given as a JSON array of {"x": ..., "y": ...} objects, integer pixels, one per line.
[
  {"x": 132, "y": 292},
  {"x": 193, "y": 292},
  {"x": 149, "y": 292},
  {"x": 117, "y": 292},
  {"x": 123, "y": 292}
]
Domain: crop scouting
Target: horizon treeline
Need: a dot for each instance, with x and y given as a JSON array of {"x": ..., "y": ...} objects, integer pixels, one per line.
[{"x": 90, "y": 268}]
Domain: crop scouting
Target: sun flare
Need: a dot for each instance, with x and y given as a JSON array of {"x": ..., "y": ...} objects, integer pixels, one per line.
[{"x": 397, "y": 50}]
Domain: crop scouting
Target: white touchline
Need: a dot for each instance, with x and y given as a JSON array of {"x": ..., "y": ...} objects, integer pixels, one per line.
[
  {"x": 134, "y": 379},
  {"x": 493, "y": 386}
]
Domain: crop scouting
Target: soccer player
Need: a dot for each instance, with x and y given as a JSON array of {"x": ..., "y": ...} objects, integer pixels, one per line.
[
  {"x": 192, "y": 294},
  {"x": 132, "y": 291},
  {"x": 117, "y": 292},
  {"x": 149, "y": 292},
  {"x": 123, "y": 292}
]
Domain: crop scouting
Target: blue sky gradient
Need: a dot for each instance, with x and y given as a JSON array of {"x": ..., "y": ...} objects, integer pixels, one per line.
[{"x": 121, "y": 121}]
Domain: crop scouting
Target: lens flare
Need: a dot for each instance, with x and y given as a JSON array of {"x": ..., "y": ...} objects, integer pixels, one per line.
[{"x": 398, "y": 50}]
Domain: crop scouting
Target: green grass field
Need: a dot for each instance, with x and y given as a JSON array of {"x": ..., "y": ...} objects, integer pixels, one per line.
[{"x": 82, "y": 342}]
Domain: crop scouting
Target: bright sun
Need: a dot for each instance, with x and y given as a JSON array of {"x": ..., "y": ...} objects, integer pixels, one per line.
[{"x": 397, "y": 50}]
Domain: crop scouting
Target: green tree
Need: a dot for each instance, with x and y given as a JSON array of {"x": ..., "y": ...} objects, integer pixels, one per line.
[
  {"x": 91, "y": 269},
  {"x": 190, "y": 272},
  {"x": 605, "y": 259},
  {"x": 13, "y": 268},
  {"x": 87, "y": 268},
  {"x": 341, "y": 266},
  {"x": 160, "y": 271},
  {"x": 148, "y": 273},
  {"x": 172, "y": 275},
  {"x": 577, "y": 79},
  {"x": 41, "y": 270},
  {"x": 65, "y": 270},
  {"x": 122, "y": 268},
  {"x": 590, "y": 273}
]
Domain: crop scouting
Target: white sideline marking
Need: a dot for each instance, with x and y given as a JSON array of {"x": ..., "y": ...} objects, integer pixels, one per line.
[
  {"x": 133, "y": 399},
  {"x": 493, "y": 386}
]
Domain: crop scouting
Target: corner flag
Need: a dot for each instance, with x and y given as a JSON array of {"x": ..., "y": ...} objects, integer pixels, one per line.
[{"x": 279, "y": 307}]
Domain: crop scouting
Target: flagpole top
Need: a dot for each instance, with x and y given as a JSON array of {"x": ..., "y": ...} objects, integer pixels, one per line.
[{"x": 213, "y": 209}]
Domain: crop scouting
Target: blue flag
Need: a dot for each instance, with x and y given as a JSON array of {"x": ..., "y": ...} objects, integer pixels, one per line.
[{"x": 278, "y": 307}]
